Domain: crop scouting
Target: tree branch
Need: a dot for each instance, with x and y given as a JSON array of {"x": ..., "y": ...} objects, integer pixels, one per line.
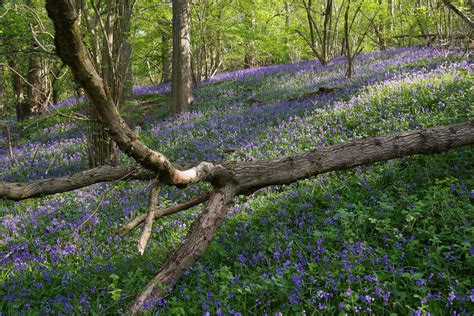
[
  {"x": 263, "y": 173},
  {"x": 461, "y": 14},
  {"x": 72, "y": 51},
  {"x": 20, "y": 191},
  {"x": 197, "y": 241},
  {"x": 146, "y": 233},
  {"x": 127, "y": 228},
  {"x": 253, "y": 175}
]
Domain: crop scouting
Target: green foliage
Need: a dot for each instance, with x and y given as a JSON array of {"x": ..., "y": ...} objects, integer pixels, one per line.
[{"x": 390, "y": 238}]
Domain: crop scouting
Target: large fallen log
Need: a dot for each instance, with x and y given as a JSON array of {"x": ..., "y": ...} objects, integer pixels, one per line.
[
  {"x": 253, "y": 175},
  {"x": 242, "y": 177},
  {"x": 237, "y": 178},
  {"x": 228, "y": 180}
]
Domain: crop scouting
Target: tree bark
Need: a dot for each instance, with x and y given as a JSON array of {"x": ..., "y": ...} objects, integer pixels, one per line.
[
  {"x": 3, "y": 91},
  {"x": 327, "y": 31},
  {"x": 347, "y": 43},
  {"x": 38, "y": 188},
  {"x": 36, "y": 87},
  {"x": 250, "y": 176},
  {"x": 17, "y": 84},
  {"x": 166, "y": 55},
  {"x": 197, "y": 241},
  {"x": 182, "y": 81},
  {"x": 461, "y": 14}
]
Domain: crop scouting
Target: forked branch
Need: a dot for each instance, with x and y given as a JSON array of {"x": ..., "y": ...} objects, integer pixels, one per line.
[
  {"x": 72, "y": 51},
  {"x": 127, "y": 228},
  {"x": 197, "y": 241}
]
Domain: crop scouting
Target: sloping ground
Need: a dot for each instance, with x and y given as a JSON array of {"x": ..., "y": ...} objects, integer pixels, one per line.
[{"x": 395, "y": 237}]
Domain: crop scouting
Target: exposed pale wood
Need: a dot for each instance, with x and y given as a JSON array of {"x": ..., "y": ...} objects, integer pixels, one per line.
[
  {"x": 146, "y": 232},
  {"x": 37, "y": 188},
  {"x": 73, "y": 52},
  {"x": 127, "y": 228},
  {"x": 197, "y": 241}
]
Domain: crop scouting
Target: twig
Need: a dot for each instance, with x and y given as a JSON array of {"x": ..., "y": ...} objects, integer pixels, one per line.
[
  {"x": 100, "y": 202},
  {"x": 127, "y": 228},
  {"x": 146, "y": 233}
]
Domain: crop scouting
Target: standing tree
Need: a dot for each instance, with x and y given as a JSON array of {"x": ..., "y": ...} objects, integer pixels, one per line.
[
  {"x": 3, "y": 90},
  {"x": 352, "y": 43},
  {"x": 228, "y": 179},
  {"x": 182, "y": 80},
  {"x": 320, "y": 39},
  {"x": 110, "y": 28},
  {"x": 26, "y": 57}
]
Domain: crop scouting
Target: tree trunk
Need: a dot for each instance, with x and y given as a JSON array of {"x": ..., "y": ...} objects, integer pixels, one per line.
[
  {"x": 347, "y": 42},
  {"x": 199, "y": 238},
  {"x": 326, "y": 32},
  {"x": 166, "y": 55},
  {"x": 36, "y": 88},
  {"x": 3, "y": 91},
  {"x": 461, "y": 14},
  {"x": 182, "y": 81},
  {"x": 22, "y": 107}
]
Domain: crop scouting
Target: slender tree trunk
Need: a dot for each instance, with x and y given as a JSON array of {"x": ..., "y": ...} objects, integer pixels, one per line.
[
  {"x": 122, "y": 48},
  {"x": 347, "y": 42},
  {"x": 250, "y": 57},
  {"x": 391, "y": 10},
  {"x": 327, "y": 32},
  {"x": 182, "y": 81},
  {"x": 3, "y": 91},
  {"x": 17, "y": 84},
  {"x": 460, "y": 13},
  {"x": 288, "y": 10},
  {"x": 37, "y": 85},
  {"x": 166, "y": 55}
]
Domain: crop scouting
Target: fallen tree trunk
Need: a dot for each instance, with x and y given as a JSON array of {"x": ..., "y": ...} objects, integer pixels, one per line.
[
  {"x": 253, "y": 175},
  {"x": 38, "y": 188},
  {"x": 239, "y": 178},
  {"x": 228, "y": 179},
  {"x": 257, "y": 174},
  {"x": 197, "y": 241}
]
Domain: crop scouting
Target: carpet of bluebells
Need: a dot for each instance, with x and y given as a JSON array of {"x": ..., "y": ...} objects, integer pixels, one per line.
[{"x": 393, "y": 238}]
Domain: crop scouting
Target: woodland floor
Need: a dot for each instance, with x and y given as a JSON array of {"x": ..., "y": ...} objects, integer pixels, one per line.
[{"x": 393, "y": 238}]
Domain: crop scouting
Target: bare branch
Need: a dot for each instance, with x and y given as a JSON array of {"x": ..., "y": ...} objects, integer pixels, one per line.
[
  {"x": 146, "y": 233},
  {"x": 197, "y": 241},
  {"x": 127, "y": 228},
  {"x": 461, "y": 14},
  {"x": 259, "y": 174},
  {"x": 37, "y": 188}
]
